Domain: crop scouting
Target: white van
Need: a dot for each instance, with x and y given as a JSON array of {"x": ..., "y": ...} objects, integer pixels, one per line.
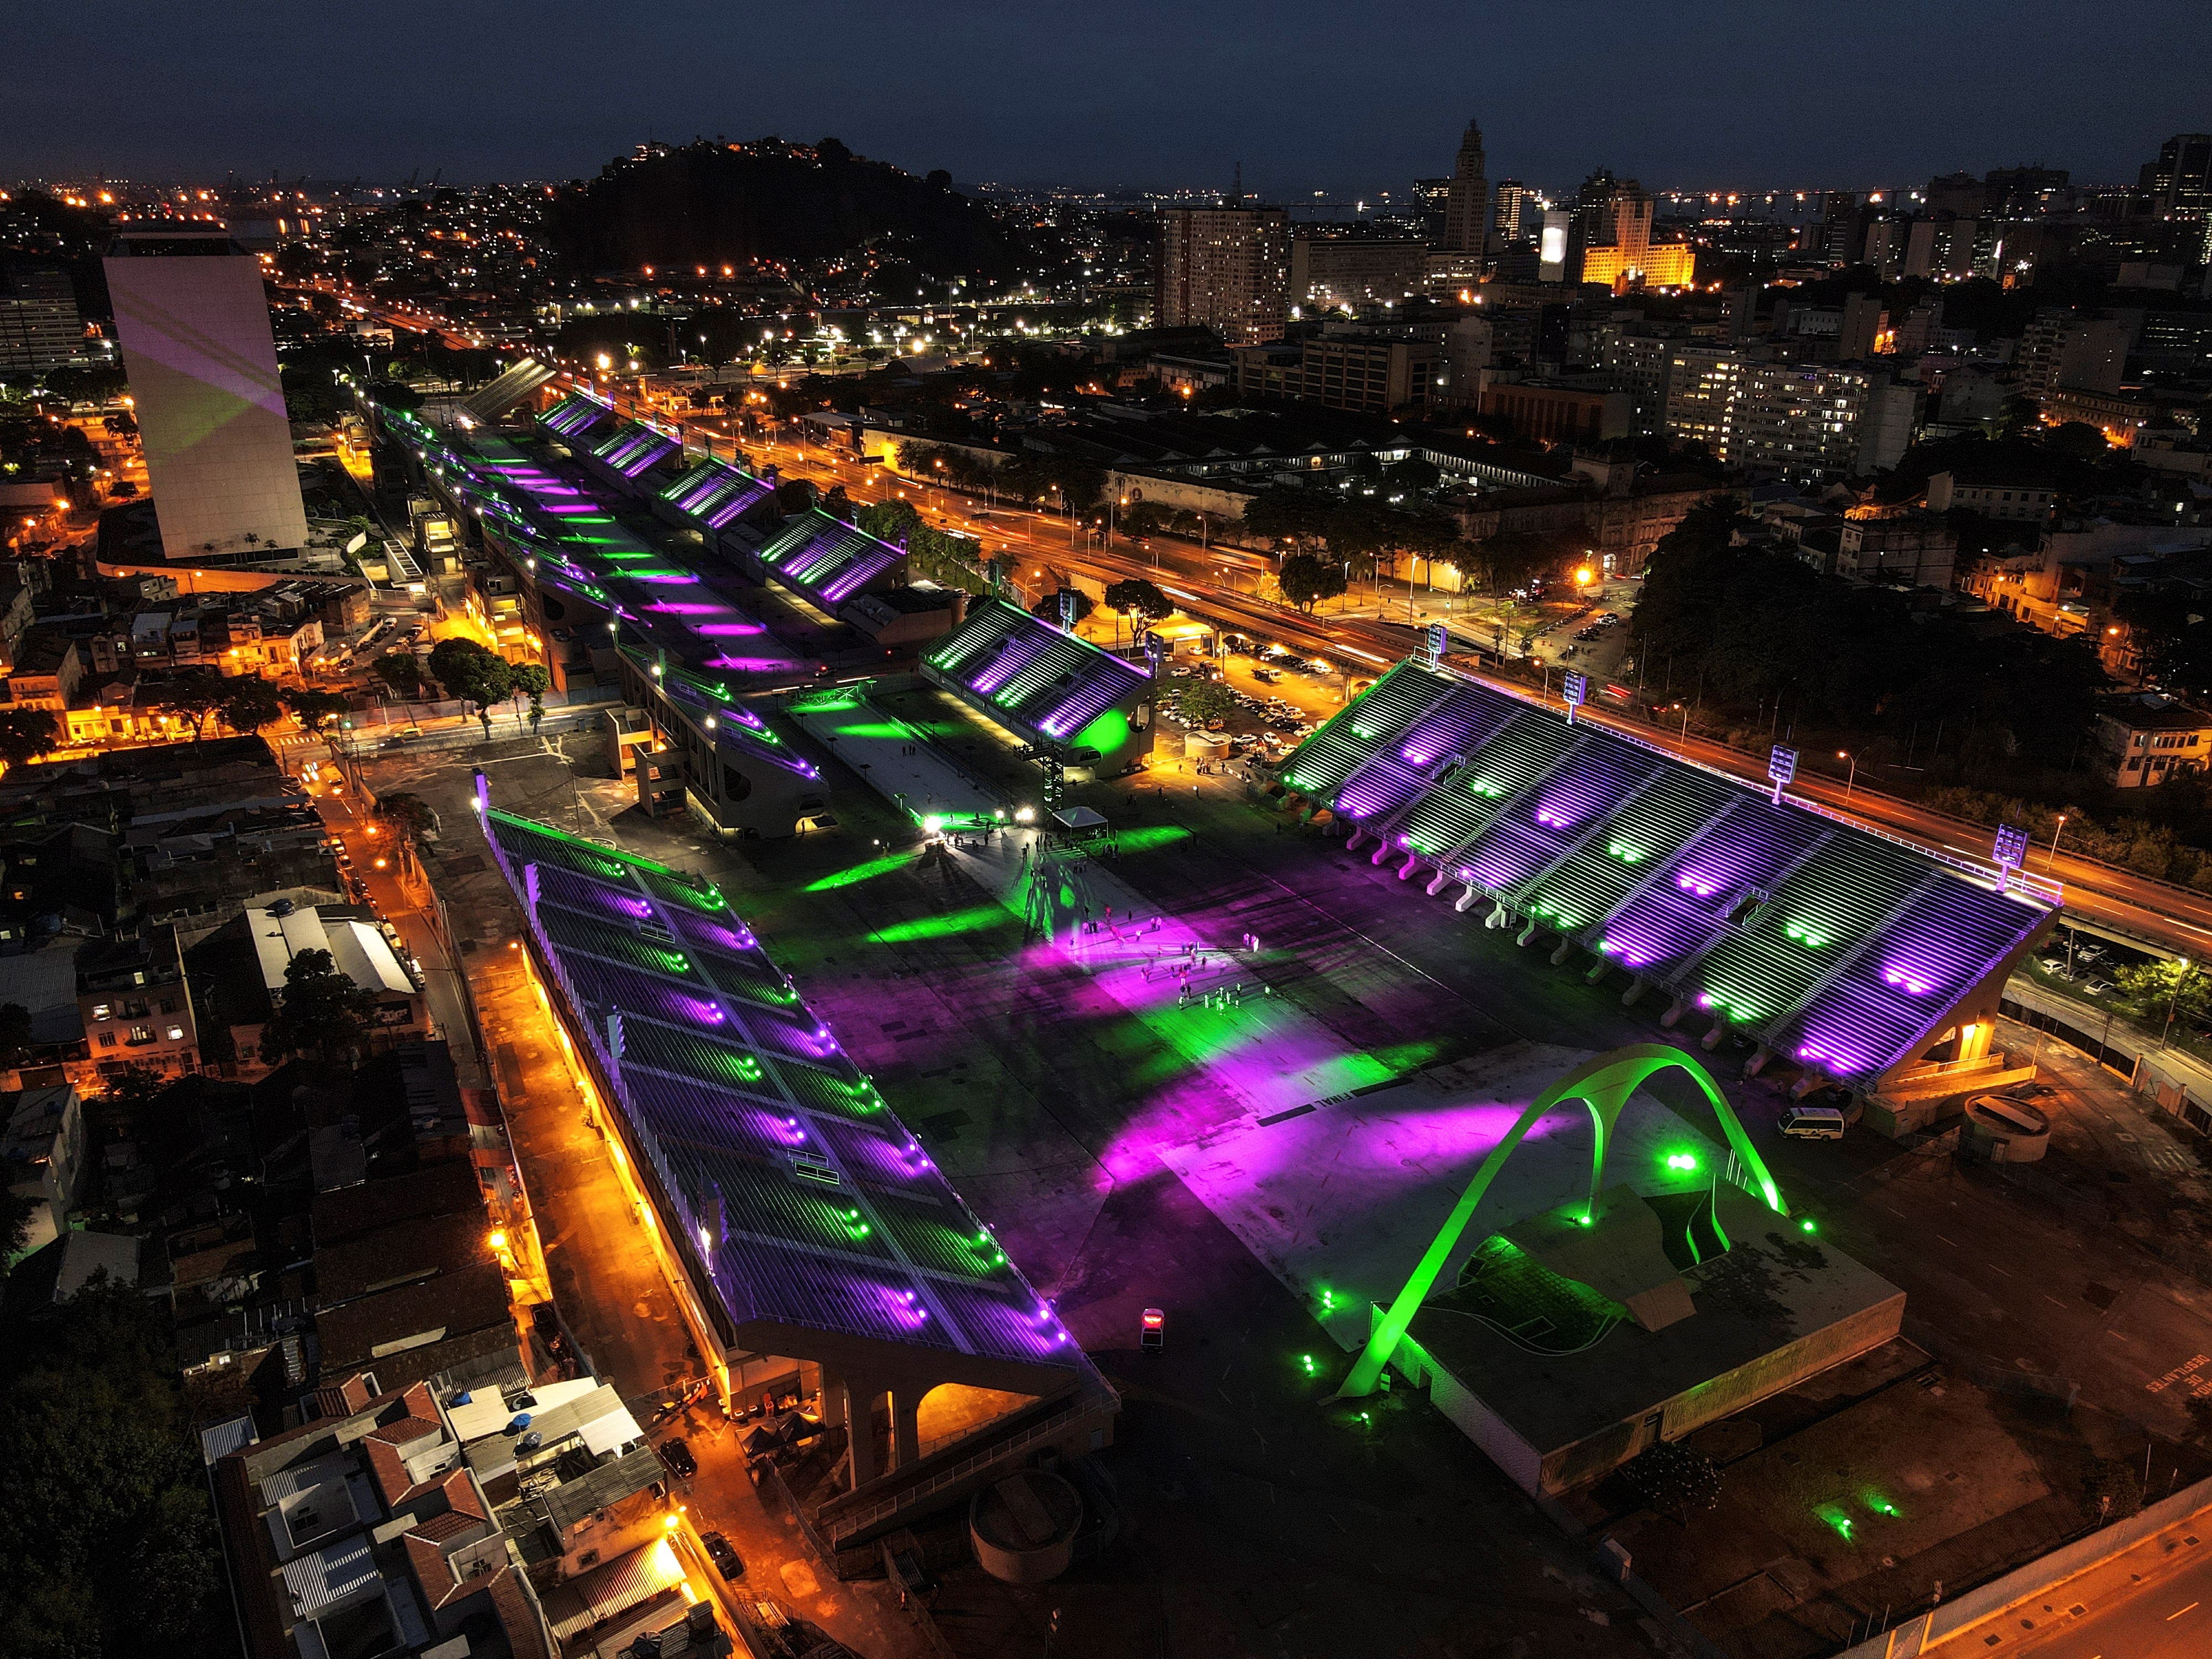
[{"x": 1813, "y": 1123}]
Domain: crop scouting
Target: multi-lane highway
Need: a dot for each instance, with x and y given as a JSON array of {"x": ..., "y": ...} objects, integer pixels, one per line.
[
  {"x": 1222, "y": 584},
  {"x": 1217, "y": 585}
]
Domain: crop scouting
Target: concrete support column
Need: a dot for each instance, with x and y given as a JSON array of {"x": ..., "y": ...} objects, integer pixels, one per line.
[
  {"x": 1634, "y": 993},
  {"x": 1438, "y": 884},
  {"x": 906, "y": 1428},
  {"x": 1974, "y": 1038},
  {"x": 1412, "y": 863},
  {"x": 1466, "y": 900},
  {"x": 1597, "y": 970},
  {"x": 1567, "y": 946},
  {"x": 859, "y": 1430},
  {"x": 1757, "y": 1063},
  {"x": 1673, "y": 1017},
  {"x": 1711, "y": 1040},
  {"x": 1381, "y": 851},
  {"x": 1351, "y": 841},
  {"x": 1527, "y": 932}
]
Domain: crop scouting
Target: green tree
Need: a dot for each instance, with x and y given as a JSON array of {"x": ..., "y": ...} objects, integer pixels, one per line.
[
  {"x": 108, "y": 1546},
  {"x": 322, "y": 1011},
  {"x": 473, "y": 674},
  {"x": 531, "y": 680},
  {"x": 400, "y": 671},
  {"x": 1284, "y": 512},
  {"x": 2173, "y": 637},
  {"x": 1308, "y": 579},
  {"x": 1412, "y": 474},
  {"x": 887, "y": 521},
  {"x": 413, "y": 815},
  {"x": 1205, "y": 700},
  {"x": 1048, "y": 607},
  {"x": 1141, "y": 519},
  {"x": 315, "y": 710},
  {"x": 1140, "y": 601},
  {"x": 195, "y": 693},
  {"x": 1674, "y": 1479},
  {"x": 249, "y": 703},
  {"x": 27, "y": 734},
  {"x": 2150, "y": 991},
  {"x": 17, "y": 1211}
]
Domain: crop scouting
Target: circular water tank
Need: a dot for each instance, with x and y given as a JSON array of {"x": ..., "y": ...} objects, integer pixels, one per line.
[
  {"x": 2003, "y": 1130},
  {"x": 1023, "y": 1528}
]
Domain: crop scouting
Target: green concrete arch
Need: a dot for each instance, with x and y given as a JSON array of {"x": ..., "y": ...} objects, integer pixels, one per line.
[{"x": 1603, "y": 1084}]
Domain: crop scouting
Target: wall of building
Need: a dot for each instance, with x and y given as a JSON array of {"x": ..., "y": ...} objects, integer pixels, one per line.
[{"x": 203, "y": 366}]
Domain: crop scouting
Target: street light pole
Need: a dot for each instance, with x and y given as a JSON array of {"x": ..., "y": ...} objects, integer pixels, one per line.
[
  {"x": 2055, "y": 835},
  {"x": 1852, "y": 777},
  {"x": 2173, "y": 1001}
]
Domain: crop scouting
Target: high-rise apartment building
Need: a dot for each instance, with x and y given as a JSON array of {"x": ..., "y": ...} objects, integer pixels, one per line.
[
  {"x": 1331, "y": 271},
  {"x": 1702, "y": 387},
  {"x": 1611, "y": 230},
  {"x": 39, "y": 327},
  {"x": 1364, "y": 372},
  {"x": 2179, "y": 182},
  {"x": 2060, "y": 349},
  {"x": 1639, "y": 365},
  {"x": 1466, "y": 204},
  {"x": 193, "y": 321},
  {"x": 1225, "y": 267},
  {"x": 1515, "y": 217},
  {"x": 1801, "y": 420},
  {"x": 2025, "y": 193}
]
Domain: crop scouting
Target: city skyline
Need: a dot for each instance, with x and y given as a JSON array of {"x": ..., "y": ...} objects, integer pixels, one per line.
[{"x": 988, "y": 102}]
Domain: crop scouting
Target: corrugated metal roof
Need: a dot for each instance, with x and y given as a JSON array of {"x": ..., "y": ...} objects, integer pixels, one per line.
[
  {"x": 604, "y": 1592},
  {"x": 330, "y": 1577},
  {"x": 219, "y": 1440}
]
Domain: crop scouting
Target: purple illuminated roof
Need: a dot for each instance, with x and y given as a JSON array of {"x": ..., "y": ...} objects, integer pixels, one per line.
[
  {"x": 825, "y": 556},
  {"x": 714, "y": 492},
  {"x": 634, "y": 446},
  {"x": 1838, "y": 947},
  {"x": 574, "y": 414},
  {"x": 786, "y": 1179},
  {"x": 1030, "y": 677}
]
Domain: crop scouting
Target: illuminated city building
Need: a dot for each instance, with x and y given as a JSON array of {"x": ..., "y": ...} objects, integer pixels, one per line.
[
  {"x": 194, "y": 324},
  {"x": 1225, "y": 267},
  {"x": 1467, "y": 199}
]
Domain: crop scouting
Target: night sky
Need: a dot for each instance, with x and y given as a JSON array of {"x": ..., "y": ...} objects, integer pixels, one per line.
[{"x": 1344, "y": 98}]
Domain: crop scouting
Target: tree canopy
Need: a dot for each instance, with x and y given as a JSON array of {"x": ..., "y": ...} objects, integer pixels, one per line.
[
  {"x": 411, "y": 812},
  {"x": 1742, "y": 625},
  {"x": 530, "y": 680},
  {"x": 27, "y": 734},
  {"x": 400, "y": 671},
  {"x": 1308, "y": 579},
  {"x": 1200, "y": 700},
  {"x": 1048, "y": 607},
  {"x": 473, "y": 674},
  {"x": 1138, "y": 599},
  {"x": 106, "y": 1544},
  {"x": 322, "y": 1011}
]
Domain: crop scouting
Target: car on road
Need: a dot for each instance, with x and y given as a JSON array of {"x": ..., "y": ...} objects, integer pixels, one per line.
[
  {"x": 2030, "y": 1091},
  {"x": 676, "y": 1453},
  {"x": 725, "y": 1559}
]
